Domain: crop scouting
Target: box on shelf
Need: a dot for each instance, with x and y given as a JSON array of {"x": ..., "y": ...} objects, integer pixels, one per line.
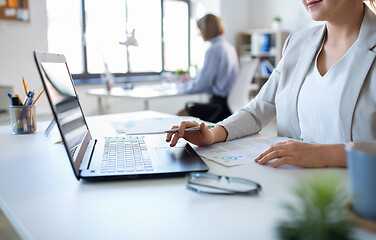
[{"x": 265, "y": 44}]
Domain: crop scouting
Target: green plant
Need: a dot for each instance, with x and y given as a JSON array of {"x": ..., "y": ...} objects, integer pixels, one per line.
[
  {"x": 320, "y": 212},
  {"x": 278, "y": 19},
  {"x": 181, "y": 71}
]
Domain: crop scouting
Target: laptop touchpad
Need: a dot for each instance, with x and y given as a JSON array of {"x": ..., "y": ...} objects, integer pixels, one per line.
[{"x": 175, "y": 156}]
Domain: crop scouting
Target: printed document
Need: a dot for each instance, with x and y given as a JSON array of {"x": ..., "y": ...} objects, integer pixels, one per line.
[
  {"x": 239, "y": 151},
  {"x": 150, "y": 125}
]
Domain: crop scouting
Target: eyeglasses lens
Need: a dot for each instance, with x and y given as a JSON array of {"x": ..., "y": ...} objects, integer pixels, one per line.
[{"x": 220, "y": 185}]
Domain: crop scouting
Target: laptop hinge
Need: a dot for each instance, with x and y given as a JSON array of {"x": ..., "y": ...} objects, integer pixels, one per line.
[{"x": 88, "y": 154}]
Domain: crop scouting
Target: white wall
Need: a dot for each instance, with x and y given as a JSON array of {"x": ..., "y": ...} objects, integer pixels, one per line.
[
  {"x": 202, "y": 7},
  {"x": 17, "y": 43},
  {"x": 237, "y": 16},
  {"x": 240, "y": 15},
  {"x": 292, "y": 12}
]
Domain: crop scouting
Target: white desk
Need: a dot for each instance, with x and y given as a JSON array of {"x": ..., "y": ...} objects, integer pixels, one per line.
[
  {"x": 142, "y": 92},
  {"x": 43, "y": 200}
]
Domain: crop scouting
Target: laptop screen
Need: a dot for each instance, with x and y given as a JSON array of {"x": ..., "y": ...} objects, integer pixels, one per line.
[{"x": 64, "y": 99}]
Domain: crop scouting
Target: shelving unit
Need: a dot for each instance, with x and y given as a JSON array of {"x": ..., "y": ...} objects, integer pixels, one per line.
[
  {"x": 4, "y": 99},
  {"x": 273, "y": 54}
]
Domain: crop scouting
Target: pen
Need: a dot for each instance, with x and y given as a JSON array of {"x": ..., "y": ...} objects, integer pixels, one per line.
[
  {"x": 25, "y": 86},
  {"x": 41, "y": 91},
  {"x": 10, "y": 96},
  {"x": 174, "y": 130},
  {"x": 27, "y": 102}
]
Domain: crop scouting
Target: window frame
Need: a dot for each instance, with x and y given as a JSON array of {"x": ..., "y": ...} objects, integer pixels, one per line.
[{"x": 87, "y": 77}]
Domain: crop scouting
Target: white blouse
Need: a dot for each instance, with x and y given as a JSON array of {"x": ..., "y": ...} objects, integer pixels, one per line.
[{"x": 319, "y": 100}]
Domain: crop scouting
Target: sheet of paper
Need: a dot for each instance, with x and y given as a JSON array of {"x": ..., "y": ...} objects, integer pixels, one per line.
[
  {"x": 239, "y": 151},
  {"x": 149, "y": 125}
]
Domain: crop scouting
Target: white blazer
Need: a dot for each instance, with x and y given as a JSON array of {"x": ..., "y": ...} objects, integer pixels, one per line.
[{"x": 279, "y": 96}]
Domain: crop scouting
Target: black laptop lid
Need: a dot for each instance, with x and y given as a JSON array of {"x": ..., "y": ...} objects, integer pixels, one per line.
[{"x": 59, "y": 87}]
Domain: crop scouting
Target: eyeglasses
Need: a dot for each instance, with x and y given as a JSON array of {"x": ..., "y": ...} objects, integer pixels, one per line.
[{"x": 223, "y": 185}]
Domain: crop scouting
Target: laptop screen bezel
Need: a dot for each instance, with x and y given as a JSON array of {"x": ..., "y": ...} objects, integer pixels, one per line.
[{"x": 44, "y": 57}]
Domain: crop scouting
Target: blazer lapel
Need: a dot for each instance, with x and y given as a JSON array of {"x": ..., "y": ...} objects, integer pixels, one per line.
[
  {"x": 362, "y": 60},
  {"x": 301, "y": 69}
]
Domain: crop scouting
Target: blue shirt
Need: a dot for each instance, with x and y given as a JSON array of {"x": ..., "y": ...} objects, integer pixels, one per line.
[{"x": 219, "y": 72}]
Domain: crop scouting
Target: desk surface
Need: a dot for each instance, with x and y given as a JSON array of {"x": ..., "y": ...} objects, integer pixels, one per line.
[
  {"x": 43, "y": 200},
  {"x": 140, "y": 91}
]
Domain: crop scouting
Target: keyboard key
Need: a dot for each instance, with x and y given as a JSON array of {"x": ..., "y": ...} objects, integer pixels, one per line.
[{"x": 125, "y": 154}]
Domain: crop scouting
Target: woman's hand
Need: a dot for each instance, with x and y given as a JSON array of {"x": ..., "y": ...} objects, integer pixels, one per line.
[
  {"x": 184, "y": 78},
  {"x": 201, "y": 138},
  {"x": 304, "y": 154}
]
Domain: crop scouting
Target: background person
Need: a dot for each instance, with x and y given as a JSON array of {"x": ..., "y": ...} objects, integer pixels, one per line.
[
  {"x": 323, "y": 91},
  {"x": 217, "y": 76}
]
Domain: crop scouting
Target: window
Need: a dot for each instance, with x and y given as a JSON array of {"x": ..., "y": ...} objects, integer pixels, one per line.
[
  {"x": 105, "y": 27},
  {"x": 145, "y": 18},
  {"x": 88, "y": 33},
  {"x": 64, "y": 32},
  {"x": 175, "y": 33}
]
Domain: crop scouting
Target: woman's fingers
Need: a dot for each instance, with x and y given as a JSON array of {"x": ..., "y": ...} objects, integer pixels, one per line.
[
  {"x": 174, "y": 137},
  {"x": 169, "y": 135},
  {"x": 272, "y": 148},
  {"x": 273, "y": 155},
  {"x": 282, "y": 152},
  {"x": 266, "y": 152},
  {"x": 281, "y": 161},
  {"x": 204, "y": 128},
  {"x": 183, "y": 126},
  {"x": 293, "y": 153}
]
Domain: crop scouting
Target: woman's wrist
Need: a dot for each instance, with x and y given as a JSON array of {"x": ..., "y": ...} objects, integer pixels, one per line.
[
  {"x": 334, "y": 155},
  {"x": 219, "y": 134}
]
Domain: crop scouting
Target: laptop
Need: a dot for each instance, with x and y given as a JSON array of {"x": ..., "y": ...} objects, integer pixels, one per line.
[{"x": 126, "y": 156}]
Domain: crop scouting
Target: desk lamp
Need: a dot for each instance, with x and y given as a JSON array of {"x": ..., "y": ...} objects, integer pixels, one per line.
[{"x": 131, "y": 41}]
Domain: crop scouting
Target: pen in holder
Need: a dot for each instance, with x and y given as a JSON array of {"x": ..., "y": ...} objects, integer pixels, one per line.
[{"x": 23, "y": 119}]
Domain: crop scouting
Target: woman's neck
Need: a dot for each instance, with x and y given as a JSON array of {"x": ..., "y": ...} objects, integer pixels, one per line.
[
  {"x": 345, "y": 28},
  {"x": 342, "y": 32}
]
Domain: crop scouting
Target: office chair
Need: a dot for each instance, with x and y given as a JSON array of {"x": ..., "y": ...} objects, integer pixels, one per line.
[{"x": 239, "y": 93}]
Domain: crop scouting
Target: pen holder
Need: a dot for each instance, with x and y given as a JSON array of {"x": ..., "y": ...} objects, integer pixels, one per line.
[{"x": 23, "y": 119}]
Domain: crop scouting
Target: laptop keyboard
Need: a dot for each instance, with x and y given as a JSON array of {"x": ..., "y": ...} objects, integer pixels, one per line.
[{"x": 125, "y": 154}]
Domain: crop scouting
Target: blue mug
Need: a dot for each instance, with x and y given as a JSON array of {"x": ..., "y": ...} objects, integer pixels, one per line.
[{"x": 361, "y": 164}]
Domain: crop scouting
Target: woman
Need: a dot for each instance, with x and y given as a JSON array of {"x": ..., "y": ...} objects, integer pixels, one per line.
[
  {"x": 219, "y": 72},
  {"x": 323, "y": 91}
]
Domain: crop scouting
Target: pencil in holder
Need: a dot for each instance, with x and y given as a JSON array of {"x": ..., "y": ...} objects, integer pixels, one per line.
[{"x": 23, "y": 119}]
